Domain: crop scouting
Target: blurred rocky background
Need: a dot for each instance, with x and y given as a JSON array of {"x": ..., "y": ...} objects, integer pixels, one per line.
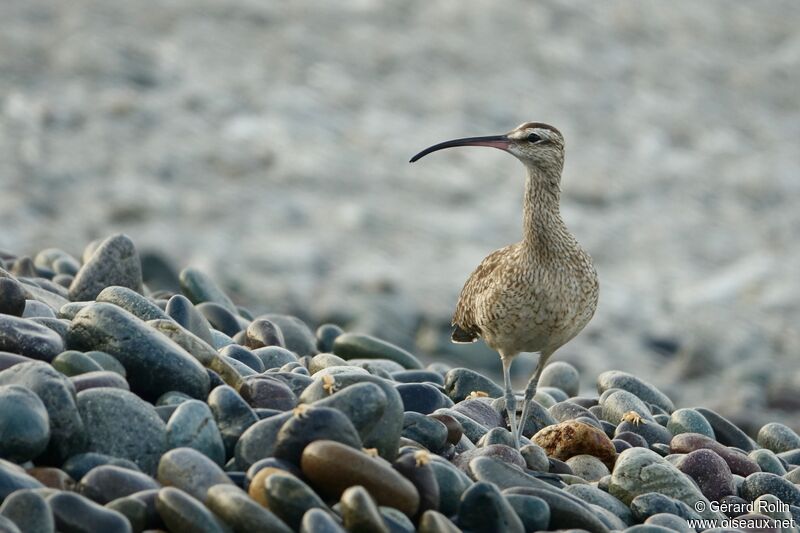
[{"x": 267, "y": 143}]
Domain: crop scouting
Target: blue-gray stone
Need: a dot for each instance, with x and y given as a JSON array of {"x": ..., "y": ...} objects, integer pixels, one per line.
[
  {"x": 689, "y": 421},
  {"x": 107, "y": 482},
  {"x": 241, "y": 512},
  {"x": 421, "y": 397},
  {"x": 233, "y": 415},
  {"x": 310, "y": 423},
  {"x": 274, "y": 356},
  {"x": 37, "y": 309},
  {"x": 182, "y": 311},
  {"x": 200, "y": 288},
  {"x": 646, "y": 505},
  {"x": 726, "y": 431},
  {"x": 595, "y": 496},
  {"x": 452, "y": 484},
  {"x": 73, "y": 363},
  {"x": 778, "y": 437},
  {"x": 184, "y": 514},
  {"x": 297, "y": 336},
  {"x": 114, "y": 262},
  {"x": 768, "y": 461},
  {"x": 67, "y": 434},
  {"x": 418, "y": 376},
  {"x": 316, "y": 520},
  {"x": 190, "y": 471},
  {"x": 192, "y": 425},
  {"x": 120, "y": 424},
  {"x": 484, "y": 510},
  {"x": 461, "y": 382},
  {"x": 615, "y": 379},
  {"x": 29, "y": 511},
  {"x": 132, "y": 302},
  {"x": 24, "y": 424},
  {"x": 566, "y": 511},
  {"x": 762, "y": 483},
  {"x": 425, "y": 430},
  {"x": 325, "y": 335},
  {"x": 562, "y": 376},
  {"x": 243, "y": 355},
  {"x": 258, "y": 441},
  {"x": 222, "y": 319},
  {"x": 290, "y": 498},
  {"x": 79, "y": 465},
  {"x": 12, "y": 297},
  {"x": 13, "y": 478},
  {"x": 532, "y": 510},
  {"x": 154, "y": 364},
  {"x": 25, "y": 337}
]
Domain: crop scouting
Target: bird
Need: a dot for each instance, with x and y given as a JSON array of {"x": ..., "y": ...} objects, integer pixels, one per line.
[{"x": 536, "y": 295}]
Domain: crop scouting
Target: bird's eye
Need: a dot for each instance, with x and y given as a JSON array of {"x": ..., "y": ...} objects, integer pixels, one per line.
[{"x": 534, "y": 138}]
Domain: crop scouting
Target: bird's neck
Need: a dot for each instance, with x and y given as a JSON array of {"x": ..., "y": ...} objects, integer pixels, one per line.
[{"x": 543, "y": 227}]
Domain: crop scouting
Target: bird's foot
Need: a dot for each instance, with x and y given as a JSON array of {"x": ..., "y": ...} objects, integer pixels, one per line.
[{"x": 632, "y": 417}]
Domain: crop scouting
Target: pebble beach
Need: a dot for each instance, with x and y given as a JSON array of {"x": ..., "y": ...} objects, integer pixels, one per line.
[{"x": 129, "y": 407}]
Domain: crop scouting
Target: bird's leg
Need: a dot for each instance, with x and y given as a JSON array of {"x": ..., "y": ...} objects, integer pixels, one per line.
[
  {"x": 511, "y": 400},
  {"x": 530, "y": 390}
]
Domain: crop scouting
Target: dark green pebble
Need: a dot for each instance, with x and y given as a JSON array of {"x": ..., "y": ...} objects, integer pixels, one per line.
[
  {"x": 77, "y": 514},
  {"x": 361, "y": 346},
  {"x": 484, "y": 509},
  {"x": 12, "y": 297},
  {"x": 72, "y": 363},
  {"x": 192, "y": 425},
  {"x": 290, "y": 498},
  {"x": 184, "y": 514},
  {"x": 232, "y": 414}
]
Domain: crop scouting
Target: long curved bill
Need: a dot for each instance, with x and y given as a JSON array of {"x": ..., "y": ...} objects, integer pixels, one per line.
[{"x": 494, "y": 141}]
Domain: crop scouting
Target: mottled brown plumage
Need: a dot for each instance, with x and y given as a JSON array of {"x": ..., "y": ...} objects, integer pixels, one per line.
[{"x": 537, "y": 294}]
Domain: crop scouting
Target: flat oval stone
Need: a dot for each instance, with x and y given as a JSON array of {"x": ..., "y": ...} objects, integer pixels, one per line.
[
  {"x": 182, "y": 311},
  {"x": 652, "y": 432},
  {"x": 385, "y": 433},
  {"x": 107, "y": 482},
  {"x": 290, "y": 498},
  {"x": 362, "y": 346},
  {"x": 767, "y": 461},
  {"x": 778, "y": 438},
  {"x": 726, "y": 432},
  {"x": 258, "y": 441},
  {"x": 240, "y": 512},
  {"x": 7, "y": 360},
  {"x": 567, "y": 410},
  {"x": 297, "y": 336},
  {"x": 363, "y": 403},
  {"x": 132, "y": 302},
  {"x": 318, "y": 521},
  {"x": 13, "y": 478},
  {"x": 184, "y": 514},
  {"x": 593, "y": 495},
  {"x": 94, "y": 380},
  {"x": 562, "y": 376},
  {"x": 689, "y": 421},
  {"x": 587, "y": 467},
  {"x": 418, "y": 376},
  {"x": 639, "y": 471},
  {"x": 120, "y": 424},
  {"x": 24, "y": 424},
  {"x": 615, "y": 379},
  {"x": 504, "y": 453},
  {"x": 571, "y": 438},
  {"x": 461, "y": 382},
  {"x": 310, "y": 424},
  {"x": 154, "y": 364},
  {"x": 192, "y": 425},
  {"x": 761, "y": 483},
  {"x": 710, "y": 472},
  {"x": 37, "y": 309},
  {"x": 232, "y": 414},
  {"x": 29, "y": 511},
  {"x": 484, "y": 509},
  {"x": 360, "y": 513},
  {"x": 481, "y": 412},
  {"x": 503, "y": 475},
  {"x": 738, "y": 462},
  {"x": 190, "y": 471},
  {"x": 23, "y": 336},
  {"x": 425, "y": 430},
  {"x": 73, "y": 512},
  {"x": 566, "y": 511},
  {"x": 200, "y": 288},
  {"x": 268, "y": 392},
  {"x": 12, "y": 297},
  {"x": 73, "y": 363},
  {"x": 67, "y": 432},
  {"x": 114, "y": 262},
  {"x": 274, "y": 356},
  {"x": 333, "y": 467},
  {"x": 619, "y": 402},
  {"x": 244, "y": 356},
  {"x": 538, "y": 419}
]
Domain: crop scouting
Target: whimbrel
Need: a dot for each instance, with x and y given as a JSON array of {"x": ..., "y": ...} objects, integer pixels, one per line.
[{"x": 537, "y": 294}]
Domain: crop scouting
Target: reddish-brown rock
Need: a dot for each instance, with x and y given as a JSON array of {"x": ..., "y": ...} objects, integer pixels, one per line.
[{"x": 571, "y": 438}]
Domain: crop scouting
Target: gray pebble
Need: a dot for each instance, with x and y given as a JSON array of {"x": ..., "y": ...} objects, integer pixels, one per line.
[{"x": 114, "y": 262}]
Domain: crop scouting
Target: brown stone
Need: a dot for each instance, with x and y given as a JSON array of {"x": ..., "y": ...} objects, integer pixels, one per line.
[
  {"x": 257, "y": 489},
  {"x": 572, "y": 438},
  {"x": 333, "y": 467},
  {"x": 54, "y": 478},
  {"x": 738, "y": 462}
]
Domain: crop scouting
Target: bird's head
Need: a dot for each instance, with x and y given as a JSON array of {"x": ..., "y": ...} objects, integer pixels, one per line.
[{"x": 537, "y": 145}]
